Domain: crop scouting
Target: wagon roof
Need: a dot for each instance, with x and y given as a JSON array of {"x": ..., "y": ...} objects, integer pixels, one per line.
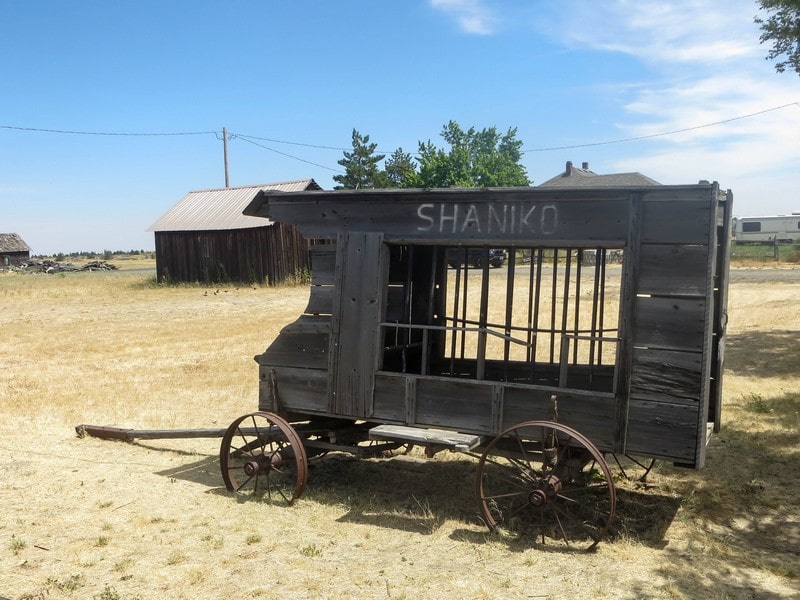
[
  {"x": 11, "y": 242},
  {"x": 221, "y": 209}
]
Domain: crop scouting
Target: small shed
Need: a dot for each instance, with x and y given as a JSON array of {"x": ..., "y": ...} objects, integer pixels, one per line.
[
  {"x": 583, "y": 177},
  {"x": 13, "y": 250},
  {"x": 206, "y": 238}
]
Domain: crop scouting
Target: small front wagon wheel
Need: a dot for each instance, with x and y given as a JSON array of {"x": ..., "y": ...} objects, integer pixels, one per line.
[
  {"x": 261, "y": 455},
  {"x": 547, "y": 481}
]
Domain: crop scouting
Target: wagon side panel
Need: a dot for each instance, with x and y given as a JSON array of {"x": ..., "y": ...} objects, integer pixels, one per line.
[
  {"x": 672, "y": 314},
  {"x": 359, "y": 303},
  {"x": 293, "y": 371}
]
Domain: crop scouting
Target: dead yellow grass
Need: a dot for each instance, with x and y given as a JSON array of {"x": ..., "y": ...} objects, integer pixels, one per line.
[{"x": 86, "y": 518}]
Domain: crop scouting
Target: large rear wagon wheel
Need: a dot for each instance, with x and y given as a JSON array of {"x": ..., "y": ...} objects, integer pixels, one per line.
[
  {"x": 546, "y": 481},
  {"x": 261, "y": 455}
]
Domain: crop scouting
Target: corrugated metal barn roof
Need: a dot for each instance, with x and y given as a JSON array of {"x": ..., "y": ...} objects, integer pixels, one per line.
[{"x": 221, "y": 209}]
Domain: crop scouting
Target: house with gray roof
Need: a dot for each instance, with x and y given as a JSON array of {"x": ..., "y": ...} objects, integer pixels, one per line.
[
  {"x": 206, "y": 238},
  {"x": 13, "y": 250},
  {"x": 583, "y": 177}
]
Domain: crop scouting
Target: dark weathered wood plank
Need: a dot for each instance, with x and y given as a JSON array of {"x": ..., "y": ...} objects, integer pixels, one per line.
[
  {"x": 666, "y": 431},
  {"x": 627, "y": 319},
  {"x": 720, "y": 321},
  {"x": 511, "y": 215},
  {"x": 299, "y": 390},
  {"x": 362, "y": 265},
  {"x": 673, "y": 270},
  {"x": 456, "y": 404},
  {"x": 310, "y": 324},
  {"x": 390, "y": 399},
  {"x": 297, "y": 349},
  {"x": 592, "y": 415},
  {"x": 320, "y": 301},
  {"x": 323, "y": 264},
  {"x": 677, "y": 221},
  {"x": 676, "y": 323},
  {"x": 666, "y": 376}
]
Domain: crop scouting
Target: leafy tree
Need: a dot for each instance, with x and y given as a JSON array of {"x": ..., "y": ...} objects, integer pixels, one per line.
[
  {"x": 782, "y": 28},
  {"x": 361, "y": 166},
  {"x": 482, "y": 158},
  {"x": 400, "y": 169}
]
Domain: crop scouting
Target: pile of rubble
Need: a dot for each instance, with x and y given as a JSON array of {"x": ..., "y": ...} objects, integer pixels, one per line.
[{"x": 51, "y": 266}]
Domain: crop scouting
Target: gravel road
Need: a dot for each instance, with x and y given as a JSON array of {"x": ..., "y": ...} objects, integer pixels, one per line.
[{"x": 764, "y": 275}]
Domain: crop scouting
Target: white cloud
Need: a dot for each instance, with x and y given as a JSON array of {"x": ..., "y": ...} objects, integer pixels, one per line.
[
  {"x": 681, "y": 31},
  {"x": 703, "y": 64},
  {"x": 472, "y": 16}
]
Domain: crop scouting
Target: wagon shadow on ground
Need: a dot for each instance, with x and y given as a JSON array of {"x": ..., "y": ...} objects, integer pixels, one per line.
[
  {"x": 418, "y": 495},
  {"x": 762, "y": 353},
  {"x": 742, "y": 508}
]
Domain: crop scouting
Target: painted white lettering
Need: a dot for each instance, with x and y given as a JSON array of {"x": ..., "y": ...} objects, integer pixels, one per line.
[
  {"x": 421, "y": 214},
  {"x": 549, "y": 219},
  {"x": 524, "y": 214},
  {"x": 443, "y": 217},
  {"x": 494, "y": 217},
  {"x": 471, "y": 218},
  {"x": 501, "y": 221},
  {"x": 513, "y": 218}
]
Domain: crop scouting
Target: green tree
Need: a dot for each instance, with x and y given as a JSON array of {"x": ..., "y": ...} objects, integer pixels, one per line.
[
  {"x": 361, "y": 166},
  {"x": 482, "y": 158},
  {"x": 782, "y": 28},
  {"x": 400, "y": 169}
]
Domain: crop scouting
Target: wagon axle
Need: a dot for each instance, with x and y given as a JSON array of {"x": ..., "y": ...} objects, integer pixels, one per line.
[
  {"x": 264, "y": 463},
  {"x": 545, "y": 490}
]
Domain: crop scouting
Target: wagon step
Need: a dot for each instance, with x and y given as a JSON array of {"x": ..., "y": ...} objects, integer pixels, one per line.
[{"x": 438, "y": 438}]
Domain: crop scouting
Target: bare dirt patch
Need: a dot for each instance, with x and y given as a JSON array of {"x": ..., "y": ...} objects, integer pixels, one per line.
[{"x": 87, "y": 518}]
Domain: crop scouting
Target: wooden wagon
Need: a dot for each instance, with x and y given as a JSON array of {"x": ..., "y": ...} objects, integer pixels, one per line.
[
  {"x": 541, "y": 368},
  {"x": 601, "y": 336}
]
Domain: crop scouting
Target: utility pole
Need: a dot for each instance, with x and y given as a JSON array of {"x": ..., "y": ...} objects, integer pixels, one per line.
[{"x": 225, "y": 153}]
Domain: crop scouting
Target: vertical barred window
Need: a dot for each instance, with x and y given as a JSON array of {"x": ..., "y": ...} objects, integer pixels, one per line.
[{"x": 533, "y": 315}]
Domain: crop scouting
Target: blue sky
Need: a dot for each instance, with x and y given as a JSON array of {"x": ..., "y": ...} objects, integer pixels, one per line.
[{"x": 574, "y": 76}]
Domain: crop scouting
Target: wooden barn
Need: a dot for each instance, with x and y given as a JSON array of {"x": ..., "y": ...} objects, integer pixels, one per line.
[
  {"x": 206, "y": 238},
  {"x": 13, "y": 250}
]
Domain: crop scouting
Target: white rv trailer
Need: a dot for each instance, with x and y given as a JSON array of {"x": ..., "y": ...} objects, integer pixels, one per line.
[{"x": 782, "y": 228}]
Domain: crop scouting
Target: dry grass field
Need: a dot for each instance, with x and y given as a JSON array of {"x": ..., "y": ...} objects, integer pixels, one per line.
[{"x": 88, "y": 518}]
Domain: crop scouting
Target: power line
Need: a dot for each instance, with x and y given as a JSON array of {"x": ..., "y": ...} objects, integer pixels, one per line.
[
  {"x": 664, "y": 133},
  {"x": 249, "y": 141},
  {"x": 108, "y": 133},
  {"x": 250, "y": 138},
  {"x": 254, "y": 137}
]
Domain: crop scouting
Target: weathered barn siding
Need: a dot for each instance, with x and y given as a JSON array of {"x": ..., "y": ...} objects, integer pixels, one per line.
[
  {"x": 206, "y": 238},
  {"x": 258, "y": 255},
  {"x": 13, "y": 250}
]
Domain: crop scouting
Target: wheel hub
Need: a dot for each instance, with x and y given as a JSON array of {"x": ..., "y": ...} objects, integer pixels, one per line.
[
  {"x": 252, "y": 468},
  {"x": 545, "y": 490}
]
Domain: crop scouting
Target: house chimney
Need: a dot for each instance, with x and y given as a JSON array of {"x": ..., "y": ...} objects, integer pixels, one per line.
[
  {"x": 569, "y": 168},
  {"x": 585, "y": 166}
]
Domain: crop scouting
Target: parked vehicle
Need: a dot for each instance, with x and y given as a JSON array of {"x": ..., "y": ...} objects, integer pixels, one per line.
[
  {"x": 781, "y": 229},
  {"x": 475, "y": 257}
]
